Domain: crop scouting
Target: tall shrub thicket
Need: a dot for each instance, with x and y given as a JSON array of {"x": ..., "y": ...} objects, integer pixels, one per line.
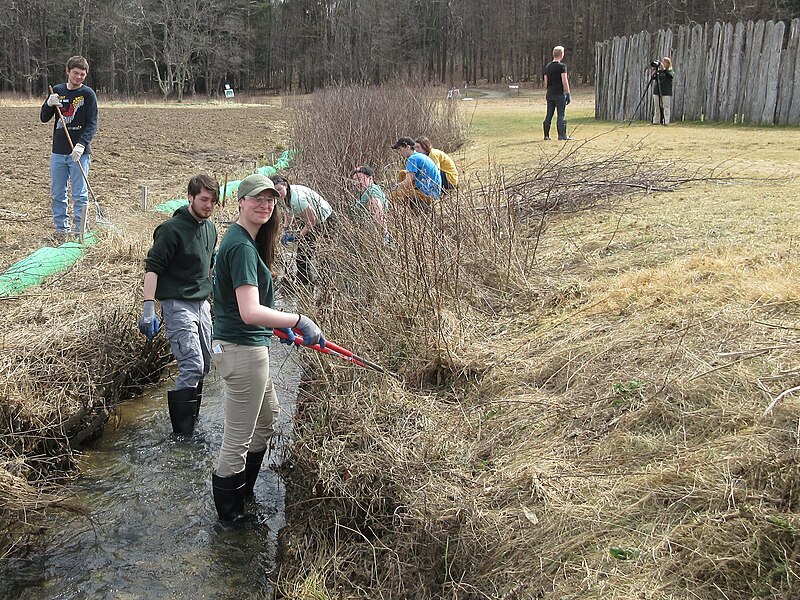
[
  {"x": 342, "y": 127},
  {"x": 415, "y": 306}
]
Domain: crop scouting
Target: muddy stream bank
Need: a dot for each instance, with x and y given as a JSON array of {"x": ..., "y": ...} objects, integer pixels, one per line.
[{"x": 152, "y": 531}]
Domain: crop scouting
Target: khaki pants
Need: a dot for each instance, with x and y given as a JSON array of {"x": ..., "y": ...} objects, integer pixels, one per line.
[
  {"x": 413, "y": 198},
  {"x": 666, "y": 102},
  {"x": 250, "y": 401}
]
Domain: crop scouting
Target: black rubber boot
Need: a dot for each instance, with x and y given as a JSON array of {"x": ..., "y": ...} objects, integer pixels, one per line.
[
  {"x": 229, "y": 495},
  {"x": 562, "y": 133},
  {"x": 546, "y": 128},
  {"x": 251, "y": 469},
  {"x": 199, "y": 396},
  {"x": 182, "y": 409}
]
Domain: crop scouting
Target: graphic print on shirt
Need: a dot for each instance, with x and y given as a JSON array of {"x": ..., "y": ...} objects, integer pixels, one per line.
[{"x": 69, "y": 112}]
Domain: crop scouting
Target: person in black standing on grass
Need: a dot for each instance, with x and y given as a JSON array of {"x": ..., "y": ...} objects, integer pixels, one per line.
[{"x": 557, "y": 84}]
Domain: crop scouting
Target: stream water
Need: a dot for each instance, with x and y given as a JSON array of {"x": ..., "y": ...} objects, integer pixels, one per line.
[{"x": 153, "y": 531}]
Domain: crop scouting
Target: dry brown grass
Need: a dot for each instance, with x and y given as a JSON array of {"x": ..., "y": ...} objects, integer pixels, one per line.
[
  {"x": 587, "y": 422},
  {"x": 70, "y": 353}
]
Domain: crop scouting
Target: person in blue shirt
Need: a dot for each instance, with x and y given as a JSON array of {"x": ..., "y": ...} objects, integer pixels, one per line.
[{"x": 421, "y": 183}]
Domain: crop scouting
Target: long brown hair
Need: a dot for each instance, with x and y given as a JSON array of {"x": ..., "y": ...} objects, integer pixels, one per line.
[
  {"x": 425, "y": 143},
  {"x": 267, "y": 236}
]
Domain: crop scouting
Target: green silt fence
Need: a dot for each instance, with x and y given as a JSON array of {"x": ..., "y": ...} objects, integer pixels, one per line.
[
  {"x": 47, "y": 261},
  {"x": 42, "y": 264},
  {"x": 170, "y": 206}
]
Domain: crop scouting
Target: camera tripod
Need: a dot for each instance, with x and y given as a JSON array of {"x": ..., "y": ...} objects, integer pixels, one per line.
[{"x": 653, "y": 77}]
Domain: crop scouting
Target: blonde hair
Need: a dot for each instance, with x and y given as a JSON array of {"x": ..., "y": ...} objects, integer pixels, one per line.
[
  {"x": 667, "y": 62},
  {"x": 558, "y": 52}
]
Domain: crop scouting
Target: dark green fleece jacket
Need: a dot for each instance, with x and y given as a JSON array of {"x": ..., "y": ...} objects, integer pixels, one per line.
[{"x": 181, "y": 257}]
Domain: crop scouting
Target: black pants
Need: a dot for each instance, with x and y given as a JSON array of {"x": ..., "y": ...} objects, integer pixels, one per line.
[
  {"x": 307, "y": 249},
  {"x": 557, "y": 105},
  {"x": 446, "y": 185}
]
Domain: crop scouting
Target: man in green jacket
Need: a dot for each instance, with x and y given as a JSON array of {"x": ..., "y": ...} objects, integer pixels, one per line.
[{"x": 178, "y": 275}]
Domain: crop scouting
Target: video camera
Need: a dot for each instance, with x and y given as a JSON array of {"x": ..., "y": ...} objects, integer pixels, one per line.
[{"x": 656, "y": 64}]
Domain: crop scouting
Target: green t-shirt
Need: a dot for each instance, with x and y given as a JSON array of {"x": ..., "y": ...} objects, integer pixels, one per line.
[
  {"x": 361, "y": 212},
  {"x": 238, "y": 264}
]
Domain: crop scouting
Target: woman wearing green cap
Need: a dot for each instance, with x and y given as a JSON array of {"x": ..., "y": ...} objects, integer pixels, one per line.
[{"x": 244, "y": 317}]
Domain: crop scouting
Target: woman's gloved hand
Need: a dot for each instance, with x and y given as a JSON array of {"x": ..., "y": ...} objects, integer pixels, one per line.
[{"x": 311, "y": 333}]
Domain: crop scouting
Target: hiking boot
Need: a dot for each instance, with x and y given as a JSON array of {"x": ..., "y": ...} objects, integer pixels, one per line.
[{"x": 59, "y": 237}]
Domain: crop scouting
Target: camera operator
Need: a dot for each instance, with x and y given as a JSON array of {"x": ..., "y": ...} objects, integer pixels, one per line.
[{"x": 662, "y": 74}]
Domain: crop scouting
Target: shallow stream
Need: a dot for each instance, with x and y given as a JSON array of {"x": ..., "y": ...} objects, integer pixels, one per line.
[{"x": 153, "y": 531}]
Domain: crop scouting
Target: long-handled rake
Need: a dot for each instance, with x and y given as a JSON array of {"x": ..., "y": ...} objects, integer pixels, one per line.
[{"x": 99, "y": 217}]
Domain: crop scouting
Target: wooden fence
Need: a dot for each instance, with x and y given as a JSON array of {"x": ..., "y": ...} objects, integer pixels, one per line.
[{"x": 742, "y": 73}]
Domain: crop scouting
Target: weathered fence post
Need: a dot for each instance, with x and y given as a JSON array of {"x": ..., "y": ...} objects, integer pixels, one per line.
[{"x": 747, "y": 72}]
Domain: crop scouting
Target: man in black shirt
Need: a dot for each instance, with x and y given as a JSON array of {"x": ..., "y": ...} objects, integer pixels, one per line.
[{"x": 557, "y": 84}]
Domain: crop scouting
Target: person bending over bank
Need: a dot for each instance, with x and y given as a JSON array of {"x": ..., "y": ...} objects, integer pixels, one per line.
[
  {"x": 442, "y": 160},
  {"x": 317, "y": 218},
  {"x": 421, "y": 182},
  {"x": 178, "y": 275},
  {"x": 244, "y": 318}
]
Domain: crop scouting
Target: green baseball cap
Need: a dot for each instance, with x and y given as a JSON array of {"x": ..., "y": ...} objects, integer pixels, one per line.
[{"x": 252, "y": 185}]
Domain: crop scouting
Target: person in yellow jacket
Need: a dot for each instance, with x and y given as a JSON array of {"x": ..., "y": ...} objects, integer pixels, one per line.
[{"x": 441, "y": 159}]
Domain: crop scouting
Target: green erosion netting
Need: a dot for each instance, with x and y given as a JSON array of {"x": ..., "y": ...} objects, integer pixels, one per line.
[
  {"x": 48, "y": 261},
  {"x": 40, "y": 265},
  {"x": 229, "y": 191}
]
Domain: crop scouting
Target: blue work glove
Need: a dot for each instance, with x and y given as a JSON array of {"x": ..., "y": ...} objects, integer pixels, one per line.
[
  {"x": 312, "y": 334},
  {"x": 567, "y": 99},
  {"x": 287, "y": 237},
  {"x": 289, "y": 336},
  {"x": 149, "y": 324}
]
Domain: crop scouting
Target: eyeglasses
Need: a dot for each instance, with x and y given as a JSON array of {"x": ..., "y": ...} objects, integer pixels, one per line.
[{"x": 262, "y": 200}]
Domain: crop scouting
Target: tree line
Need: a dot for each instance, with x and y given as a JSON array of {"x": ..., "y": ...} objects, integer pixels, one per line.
[{"x": 175, "y": 48}]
